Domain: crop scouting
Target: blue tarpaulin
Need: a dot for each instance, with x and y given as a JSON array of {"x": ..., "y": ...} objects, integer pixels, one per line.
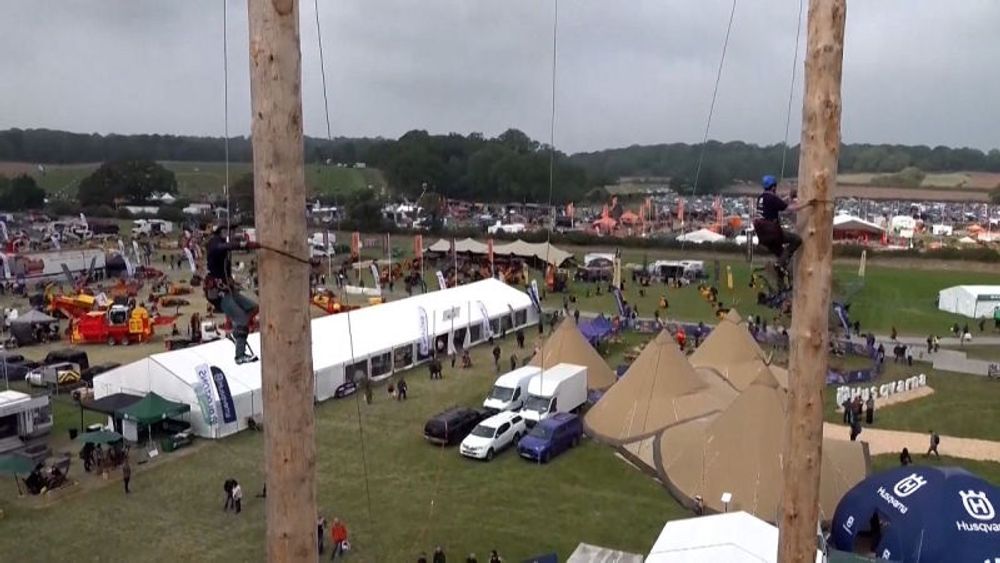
[
  {"x": 925, "y": 514},
  {"x": 596, "y": 329}
]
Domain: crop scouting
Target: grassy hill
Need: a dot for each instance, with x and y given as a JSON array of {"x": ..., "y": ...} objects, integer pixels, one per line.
[{"x": 195, "y": 179}]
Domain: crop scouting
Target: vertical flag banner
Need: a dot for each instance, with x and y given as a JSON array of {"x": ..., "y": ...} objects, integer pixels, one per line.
[
  {"x": 489, "y": 250},
  {"x": 203, "y": 391},
  {"x": 680, "y": 210},
  {"x": 441, "y": 282},
  {"x": 3, "y": 229},
  {"x": 190, "y": 258},
  {"x": 225, "y": 396},
  {"x": 424, "y": 343},
  {"x": 861, "y": 266},
  {"x": 418, "y": 246},
  {"x": 378, "y": 282},
  {"x": 487, "y": 328},
  {"x": 355, "y": 244},
  {"x": 533, "y": 294},
  {"x": 619, "y": 301}
]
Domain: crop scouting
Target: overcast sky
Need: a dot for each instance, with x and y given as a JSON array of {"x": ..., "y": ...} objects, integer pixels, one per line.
[{"x": 629, "y": 71}]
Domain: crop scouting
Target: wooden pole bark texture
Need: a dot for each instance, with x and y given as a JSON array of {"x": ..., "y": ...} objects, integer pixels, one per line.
[
  {"x": 286, "y": 356},
  {"x": 820, "y": 148}
]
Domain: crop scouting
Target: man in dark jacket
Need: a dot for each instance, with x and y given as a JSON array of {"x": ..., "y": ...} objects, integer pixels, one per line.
[
  {"x": 438, "y": 555},
  {"x": 767, "y": 226},
  {"x": 223, "y": 292}
]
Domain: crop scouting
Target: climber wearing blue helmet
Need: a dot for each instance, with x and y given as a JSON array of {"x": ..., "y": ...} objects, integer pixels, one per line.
[{"x": 767, "y": 224}]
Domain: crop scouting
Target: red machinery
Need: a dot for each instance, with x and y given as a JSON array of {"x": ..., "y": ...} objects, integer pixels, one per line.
[{"x": 117, "y": 325}]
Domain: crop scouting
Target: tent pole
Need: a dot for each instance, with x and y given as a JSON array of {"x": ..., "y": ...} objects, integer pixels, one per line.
[
  {"x": 286, "y": 358},
  {"x": 808, "y": 362}
]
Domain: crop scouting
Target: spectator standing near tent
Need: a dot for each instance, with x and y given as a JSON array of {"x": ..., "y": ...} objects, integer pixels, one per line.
[
  {"x": 471, "y": 558},
  {"x": 401, "y": 389},
  {"x": 930, "y": 343},
  {"x": 422, "y": 558},
  {"x": 893, "y": 334},
  {"x": 496, "y": 356},
  {"x": 855, "y": 428},
  {"x": 126, "y": 473},
  {"x": 576, "y": 316},
  {"x": 870, "y": 409},
  {"x": 495, "y": 557},
  {"x": 439, "y": 555},
  {"x": 935, "y": 442},
  {"x": 513, "y": 361},
  {"x": 338, "y": 539},
  {"x": 520, "y": 338},
  {"x": 904, "y": 457}
]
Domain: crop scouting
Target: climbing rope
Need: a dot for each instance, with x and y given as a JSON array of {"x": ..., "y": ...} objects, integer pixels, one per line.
[
  {"x": 791, "y": 92},
  {"x": 350, "y": 331},
  {"x": 225, "y": 104}
]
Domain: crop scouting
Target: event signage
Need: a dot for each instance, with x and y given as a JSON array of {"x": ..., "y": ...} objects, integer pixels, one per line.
[
  {"x": 203, "y": 390},
  {"x": 533, "y": 294},
  {"x": 441, "y": 283},
  {"x": 3, "y": 229},
  {"x": 190, "y": 258},
  {"x": 883, "y": 391},
  {"x": 225, "y": 396},
  {"x": 425, "y": 335},
  {"x": 378, "y": 282},
  {"x": 487, "y": 329},
  {"x": 619, "y": 301}
]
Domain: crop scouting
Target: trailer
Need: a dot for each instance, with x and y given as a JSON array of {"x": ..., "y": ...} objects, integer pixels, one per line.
[{"x": 45, "y": 265}]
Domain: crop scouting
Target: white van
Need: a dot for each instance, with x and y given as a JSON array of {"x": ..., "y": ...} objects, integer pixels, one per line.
[
  {"x": 561, "y": 388},
  {"x": 510, "y": 390}
]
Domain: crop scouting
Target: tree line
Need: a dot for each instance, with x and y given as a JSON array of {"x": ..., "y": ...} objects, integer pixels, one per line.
[{"x": 508, "y": 167}]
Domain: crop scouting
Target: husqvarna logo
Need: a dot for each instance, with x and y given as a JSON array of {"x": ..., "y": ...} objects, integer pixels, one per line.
[
  {"x": 977, "y": 505},
  {"x": 909, "y": 485}
]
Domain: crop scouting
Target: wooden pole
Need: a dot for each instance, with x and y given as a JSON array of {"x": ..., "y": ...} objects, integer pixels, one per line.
[
  {"x": 811, "y": 297},
  {"x": 280, "y": 196}
]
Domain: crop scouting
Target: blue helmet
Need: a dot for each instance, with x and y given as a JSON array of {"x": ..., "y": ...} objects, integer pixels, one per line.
[{"x": 769, "y": 182}]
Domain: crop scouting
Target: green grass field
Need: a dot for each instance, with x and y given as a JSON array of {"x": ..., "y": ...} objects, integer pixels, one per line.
[
  {"x": 961, "y": 405},
  {"x": 195, "y": 179},
  {"x": 420, "y": 495}
]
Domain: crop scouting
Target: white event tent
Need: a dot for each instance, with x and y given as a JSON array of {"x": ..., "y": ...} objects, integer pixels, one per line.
[
  {"x": 386, "y": 338},
  {"x": 973, "y": 301},
  {"x": 733, "y": 537},
  {"x": 700, "y": 236}
]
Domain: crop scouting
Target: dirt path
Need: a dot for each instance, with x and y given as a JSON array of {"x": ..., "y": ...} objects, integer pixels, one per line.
[{"x": 893, "y": 441}]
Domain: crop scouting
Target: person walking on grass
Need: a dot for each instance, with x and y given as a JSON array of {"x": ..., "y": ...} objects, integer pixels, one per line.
[
  {"x": 520, "y": 338},
  {"x": 495, "y": 557},
  {"x": 320, "y": 532},
  {"x": 870, "y": 410},
  {"x": 237, "y": 497},
  {"x": 935, "y": 442},
  {"x": 439, "y": 555},
  {"x": 401, "y": 389},
  {"x": 496, "y": 357},
  {"x": 338, "y": 539},
  {"x": 126, "y": 473},
  {"x": 513, "y": 361},
  {"x": 228, "y": 487}
]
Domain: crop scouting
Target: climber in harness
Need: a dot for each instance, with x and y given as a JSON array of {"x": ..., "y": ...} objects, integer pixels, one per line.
[
  {"x": 222, "y": 291},
  {"x": 767, "y": 227}
]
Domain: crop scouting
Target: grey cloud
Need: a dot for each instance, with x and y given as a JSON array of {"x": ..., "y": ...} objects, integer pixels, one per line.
[{"x": 637, "y": 71}]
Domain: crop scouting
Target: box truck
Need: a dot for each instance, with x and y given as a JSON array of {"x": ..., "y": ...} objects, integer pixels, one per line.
[{"x": 561, "y": 388}]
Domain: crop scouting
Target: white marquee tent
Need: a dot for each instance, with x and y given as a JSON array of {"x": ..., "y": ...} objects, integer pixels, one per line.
[
  {"x": 733, "y": 537},
  {"x": 973, "y": 301},
  {"x": 386, "y": 338},
  {"x": 700, "y": 236}
]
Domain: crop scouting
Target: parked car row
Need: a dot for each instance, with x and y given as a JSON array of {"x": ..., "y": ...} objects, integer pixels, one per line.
[{"x": 528, "y": 408}]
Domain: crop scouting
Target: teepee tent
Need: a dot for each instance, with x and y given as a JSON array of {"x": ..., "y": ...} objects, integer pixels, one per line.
[
  {"x": 731, "y": 352},
  {"x": 567, "y": 345},
  {"x": 740, "y": 451},
  {"x": 660, "y": 389}
]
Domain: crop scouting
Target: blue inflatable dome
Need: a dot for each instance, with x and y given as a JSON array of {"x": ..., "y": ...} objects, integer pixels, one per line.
[{"x": 924, "y": 514}]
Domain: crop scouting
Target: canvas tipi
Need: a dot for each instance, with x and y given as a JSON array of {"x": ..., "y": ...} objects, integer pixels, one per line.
[{"x": 567, "y": 345}]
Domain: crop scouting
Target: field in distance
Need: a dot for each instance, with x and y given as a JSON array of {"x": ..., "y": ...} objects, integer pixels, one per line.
[{"x": 195, "y": 179}]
